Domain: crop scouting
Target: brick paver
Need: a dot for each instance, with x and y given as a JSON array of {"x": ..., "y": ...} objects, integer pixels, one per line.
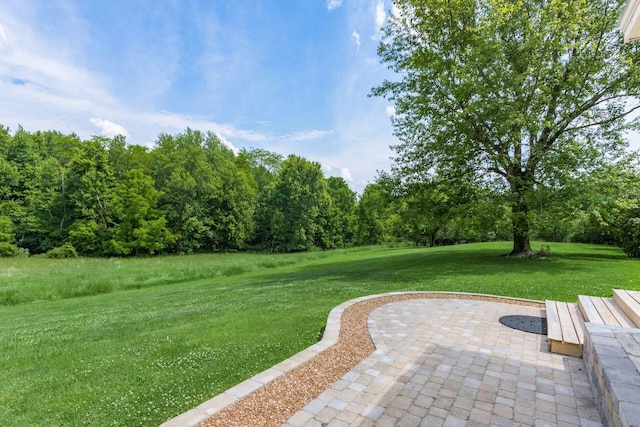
[{"x": 451, "y": 363}]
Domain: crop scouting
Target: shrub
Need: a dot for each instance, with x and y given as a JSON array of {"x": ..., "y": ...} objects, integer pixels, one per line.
[
  {"x": 65, "y": 251},
  {"x": 23, "y": 253},
  {"x": 630, "y": 239},
  {"x": 8, "y": 250},
  {"x": 86, "y": 237},
  {"x": 629, "y": 226}
]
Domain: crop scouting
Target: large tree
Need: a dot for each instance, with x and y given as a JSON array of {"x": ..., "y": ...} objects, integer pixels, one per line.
[
  {"x": 289, "y": 212},
  {"x": 208, "y": 200},
  {"x": 262, "y": 165},
  {"x": 338, "y": 218},
  {"x": 519, "y": 90},
  {"x": 375, "y": 212},
  {"x": 141, "y": 227}
]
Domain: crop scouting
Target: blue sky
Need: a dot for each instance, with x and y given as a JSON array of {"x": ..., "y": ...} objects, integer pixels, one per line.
[{"x": 290, "y": 76}]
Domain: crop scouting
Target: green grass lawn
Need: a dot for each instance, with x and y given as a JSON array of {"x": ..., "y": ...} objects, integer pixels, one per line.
[{"x": 138, "y": 341}]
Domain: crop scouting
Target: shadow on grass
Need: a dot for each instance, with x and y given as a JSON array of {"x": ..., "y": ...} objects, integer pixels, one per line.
[
  {"x": 430, "y": 265},
  {"x": 607, "y": 254}
]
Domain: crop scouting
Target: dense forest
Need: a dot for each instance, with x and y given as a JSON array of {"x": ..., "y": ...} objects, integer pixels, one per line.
[{"x": 63, "y": 196}]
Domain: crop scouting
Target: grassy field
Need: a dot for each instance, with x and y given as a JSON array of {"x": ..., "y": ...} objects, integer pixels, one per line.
[{"x": 138, "y": 341}]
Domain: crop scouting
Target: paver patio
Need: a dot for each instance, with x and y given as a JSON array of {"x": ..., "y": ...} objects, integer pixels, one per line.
[
  {"x": 443, "y": 359},
  {"x": 450, "y": 362}
]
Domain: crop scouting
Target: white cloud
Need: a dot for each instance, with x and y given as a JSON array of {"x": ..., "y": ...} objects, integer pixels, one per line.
[
  {"x": 171, "y": 122},
  {"x": 333, "y": 4},
  {"x": 45, "y": 88},
  {"x": 356, "y": 37},
  {"x": 108, "y": 128},
  {"x": 43, "y": 67},
  {"x": 305, "y": 135},
  {"x": 4, "y": 40},
  {"x": 395, "y": 10},
  {"x": 344, "y": 173},
  {"x": 381, "y": 15},
  {"x": 391, "y": 110},
  {"x": 151, "y": 123}
]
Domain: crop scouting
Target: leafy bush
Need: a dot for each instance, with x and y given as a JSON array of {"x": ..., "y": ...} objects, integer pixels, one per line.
[
  {"x": 85, "y": 236},
  {"x": 630, "y": 237},
  {"x": 629, "y": 231},
  {"x": 8, "y": 250},
  {"x": 23, "y": 253},
  {"x": 65, "y": 251}
]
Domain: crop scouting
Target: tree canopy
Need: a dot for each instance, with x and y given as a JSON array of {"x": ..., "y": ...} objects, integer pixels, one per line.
[
  {"x": 63, "y": 196},
  {"x": 290, "y": 212},
  {"x": 519, "y": 93}
]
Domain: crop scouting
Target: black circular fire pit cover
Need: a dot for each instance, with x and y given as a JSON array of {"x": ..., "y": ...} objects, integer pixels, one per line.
[{"x": 533, "y": 324}]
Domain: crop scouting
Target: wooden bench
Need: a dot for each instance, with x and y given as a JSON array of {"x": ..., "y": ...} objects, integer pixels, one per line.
[
  {"x": 610, "y": 326},
  {"x": 565, "y": 333},
  {"x": 603, "y": 311},
  {"x": 629, "y": 302}
]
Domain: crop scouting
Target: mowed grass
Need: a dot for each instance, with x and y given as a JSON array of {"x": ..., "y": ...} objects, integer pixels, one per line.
[{"x": 171, "y": 332}]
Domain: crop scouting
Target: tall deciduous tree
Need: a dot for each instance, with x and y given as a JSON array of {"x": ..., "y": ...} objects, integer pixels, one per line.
[
  {"x": 425, "y": 210},
  {"x": 49, "y": 205},
  {"x": 141, "y": 227},
  {"x": 89, "y": 182},
  {"x": 340, "y": 219},
  {"x": 289, "y": 211},
  {"x": 233, "y": 210},
  {"x": 373, "y": 214},
  {"x": 516, "y": 89},
  {"x": 191, "y": 189},
  {"x": 262, "y": 165},
  {"x": 604, "y": 201},
  {"x": 207, "y": 198}
]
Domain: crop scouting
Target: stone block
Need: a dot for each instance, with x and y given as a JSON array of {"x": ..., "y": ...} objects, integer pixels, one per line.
[
  {"x": 621, "y": 374},
  {"x": 629, "y": 414}
]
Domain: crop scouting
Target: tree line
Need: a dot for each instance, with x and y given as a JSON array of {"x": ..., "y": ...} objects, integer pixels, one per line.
[
  {"x": 63, "y": 196},
  {"x": 599, "y": 205},
  {"x": 103, "y": 197}
]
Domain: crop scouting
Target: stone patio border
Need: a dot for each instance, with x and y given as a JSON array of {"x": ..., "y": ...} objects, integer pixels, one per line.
[{"x": 222, "y": 401}]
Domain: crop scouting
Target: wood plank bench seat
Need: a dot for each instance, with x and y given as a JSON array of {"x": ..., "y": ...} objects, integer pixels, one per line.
[
  {"x": 565, "y": 333},
  {"x": 629, "y": 302},
  {"x": 603, "y": 311},
  {"x": 604, "y": 326}
]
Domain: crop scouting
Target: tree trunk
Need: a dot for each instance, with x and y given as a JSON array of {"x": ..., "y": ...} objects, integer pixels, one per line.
[
  {"x": 520, "y": 220},
  {"x": 521, "y": 244},
  {"x": 432, "y": 239}
]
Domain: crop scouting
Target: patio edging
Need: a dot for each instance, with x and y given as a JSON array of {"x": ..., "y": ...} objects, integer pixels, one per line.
[{"x": 205, "y": 410}]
